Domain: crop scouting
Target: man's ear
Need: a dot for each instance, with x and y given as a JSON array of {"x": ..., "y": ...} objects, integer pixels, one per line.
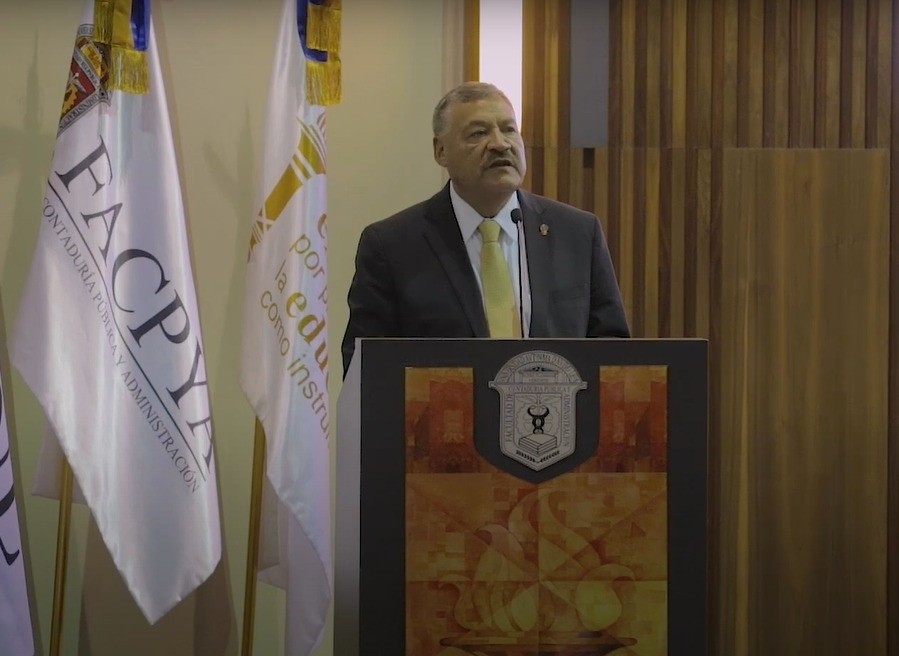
[{"x": 439, "y": 152}]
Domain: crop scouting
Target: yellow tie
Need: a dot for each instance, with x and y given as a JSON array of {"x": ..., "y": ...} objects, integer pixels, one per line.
[{"x": 499, "y": 298}]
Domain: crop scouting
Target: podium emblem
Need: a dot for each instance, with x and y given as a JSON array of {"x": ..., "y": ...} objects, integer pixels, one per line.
[{"x": 537, "y": 392}]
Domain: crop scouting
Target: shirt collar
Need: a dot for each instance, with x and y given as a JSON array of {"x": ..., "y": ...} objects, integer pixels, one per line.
[{"x": 469, "y": 219}]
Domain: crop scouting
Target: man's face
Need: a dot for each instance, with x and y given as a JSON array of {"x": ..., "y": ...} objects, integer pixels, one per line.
[{"x": 481, "y": 148}]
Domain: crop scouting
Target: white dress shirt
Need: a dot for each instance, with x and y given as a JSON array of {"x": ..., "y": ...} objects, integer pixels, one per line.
[{"x": 514, "y": 249}]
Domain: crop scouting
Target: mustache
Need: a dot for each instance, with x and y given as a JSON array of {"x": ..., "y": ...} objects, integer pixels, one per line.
[{"x": 502, "y": 161}]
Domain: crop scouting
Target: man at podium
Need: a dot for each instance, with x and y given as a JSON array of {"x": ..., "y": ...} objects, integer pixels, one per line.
[{"x": 482, "y": 258}]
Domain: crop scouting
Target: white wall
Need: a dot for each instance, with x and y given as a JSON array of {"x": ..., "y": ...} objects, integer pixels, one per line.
[{"x": 218, "y": 55}]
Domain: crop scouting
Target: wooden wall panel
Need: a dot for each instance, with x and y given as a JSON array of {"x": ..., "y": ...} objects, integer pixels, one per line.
[
  {"x": 804, "y": 399},
  {"x": 714, "y": 109},
  {"x": 793, "y": 73}
]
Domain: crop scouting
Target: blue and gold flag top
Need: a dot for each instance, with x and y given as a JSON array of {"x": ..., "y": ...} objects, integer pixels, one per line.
[
  {"x": 318, "y": 24},
  {"x": 110, "y": 54},
  {"x": 122, "y": 29}
]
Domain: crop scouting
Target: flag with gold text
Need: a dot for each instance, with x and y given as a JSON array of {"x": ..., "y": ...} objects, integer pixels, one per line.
[
  {"x": 284, "y": 368},
  {"x": 107, "y": 335}
]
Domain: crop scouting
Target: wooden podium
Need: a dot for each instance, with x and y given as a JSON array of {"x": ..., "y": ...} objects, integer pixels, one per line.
[{"x": 522, "y": 498}]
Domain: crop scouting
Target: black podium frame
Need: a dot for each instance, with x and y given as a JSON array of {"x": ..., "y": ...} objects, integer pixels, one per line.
[{"x": 370, "y": 527}]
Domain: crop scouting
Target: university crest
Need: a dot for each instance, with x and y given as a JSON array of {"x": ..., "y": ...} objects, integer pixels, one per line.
[
  {"x": 537, "y": 393},
  {"x": 88, "y": 75}
]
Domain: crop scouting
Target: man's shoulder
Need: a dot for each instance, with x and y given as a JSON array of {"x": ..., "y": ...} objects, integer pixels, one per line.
[
  {"x": 552, "y": 207},
  {"x": 404, "y": 218},
  {"x": 410, "y": 218}
]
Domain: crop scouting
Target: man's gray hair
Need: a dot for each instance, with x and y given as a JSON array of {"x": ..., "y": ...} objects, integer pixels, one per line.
[{"x": 464, "y": 93}]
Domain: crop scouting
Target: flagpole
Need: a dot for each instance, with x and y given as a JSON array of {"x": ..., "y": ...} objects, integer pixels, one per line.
[
  {"x": 62, "y": 556},
  {"x": 249, "y": 599}
]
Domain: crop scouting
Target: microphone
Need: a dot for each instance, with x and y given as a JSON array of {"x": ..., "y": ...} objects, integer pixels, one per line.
[{"x": 516, "y": 219}]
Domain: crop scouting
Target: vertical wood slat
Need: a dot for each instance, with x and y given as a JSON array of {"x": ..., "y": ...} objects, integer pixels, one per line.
[
  {"x": 577, "y": 180},
  {"x": 821, "y": 25},
  {"x": 561, "y": 13},
  {"x": 846, "y": 40},
  {"x": 531, "y": 91},
  {"x": 738, "y": 369},
  {"x": 703, "y": 241},
  {"x": 627, "y": 63},
  {"x": 679, "y": 64},
  {"x": 794, "y": 76},
  {"x": 616, "y": 130},
  {"x": 872, "y": 77},
  {"x": 723, "y": 31},
  {"x": 830, "y": 60},
  {"x": 678, "y": 275},
  {"x": 600, "y": 186},
  {"x": 780, "y": 85},
  {"x": 637, "y": 247},
  {"x": 751, "y": 47},
  {"x": 624, "y": 223},
  {"x": 653, "y": 74},
  {"x": 726, "y": 57},
  {"x": 691, "y": 223},
  {"x": 892, "y": 581},
  {"x": 665, "y": 252},
  {"x": 699, "y": 73},
  {"x": 802, "y": 74},
  {"x": 651, "y": 259},
  {"x": 550, "y": 99},
  {"x": 666, "y": 74},
  {"x": 640, "y": 56},
  {"x": 744, "y": 64},
  {"x": 859, "y": 69},
  {"x": 884, "y": 73},
  {"x": 615, "y": 74},
  {"x": 636, "y": 226},
  {"x": 769, "y": 67},
  {"x": 756, "y": 74},
  {"x": 807, "y": 33}
]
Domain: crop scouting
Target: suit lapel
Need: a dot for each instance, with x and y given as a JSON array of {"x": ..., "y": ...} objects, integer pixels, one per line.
[
  {"x": 442, "y": 233},
  {"x": 538, "y": 249}
]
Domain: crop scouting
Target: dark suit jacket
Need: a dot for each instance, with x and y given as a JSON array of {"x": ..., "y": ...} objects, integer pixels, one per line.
[{"x": 414, "y": 277}]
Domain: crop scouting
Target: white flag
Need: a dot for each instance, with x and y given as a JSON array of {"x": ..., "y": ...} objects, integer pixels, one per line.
[
  {"x": 108, "y": 332},
  {"x": 284, "y": 369},
  {"x": 16, "y": 636}
]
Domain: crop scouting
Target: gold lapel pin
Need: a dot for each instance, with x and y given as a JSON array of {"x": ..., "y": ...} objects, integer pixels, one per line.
[{"x": 544, "y": 229}]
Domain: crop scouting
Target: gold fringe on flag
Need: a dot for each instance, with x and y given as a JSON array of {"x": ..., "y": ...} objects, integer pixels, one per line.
[
  {"x": 128, "y": 68},
  {"x": 129, "y": 71},
  {"x": 323, "y": 27},
  {"x": 103, "y": 19},
  {"x": 323, "y": 81}
]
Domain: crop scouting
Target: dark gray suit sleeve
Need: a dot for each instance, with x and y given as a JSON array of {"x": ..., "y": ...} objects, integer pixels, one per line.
[
  {"x": 607, "y": 318},
  {"x": 372, "y": 296}
]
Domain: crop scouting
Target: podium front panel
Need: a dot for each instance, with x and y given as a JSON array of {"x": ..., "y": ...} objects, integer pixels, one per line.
[{"x": 530, "y": 497}]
